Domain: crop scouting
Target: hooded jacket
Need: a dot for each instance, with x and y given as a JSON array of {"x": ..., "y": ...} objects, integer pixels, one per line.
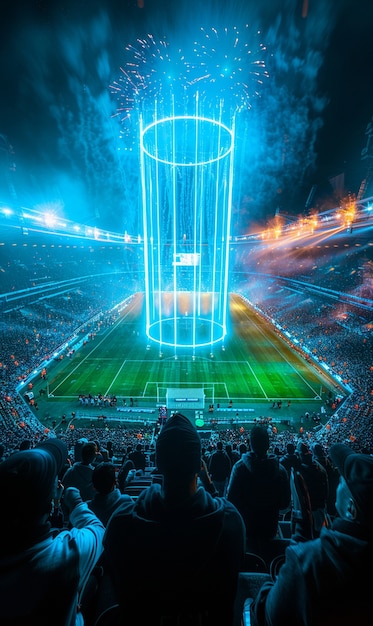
[
  {"x": 41, "y": 584},
  {"x": 259, "y": 488},
  {"x": 183, "y": 559},
  {"x": 104, "y": 504},
  {"x": 326, "y": 581},
  {"x": 79, "y": 475},
  {"x": 316, "y": 480}
]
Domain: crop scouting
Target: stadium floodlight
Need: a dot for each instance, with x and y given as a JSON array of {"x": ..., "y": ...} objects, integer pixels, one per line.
[
  {"x": 6, "y": 211},
  {"x": 186, "y": 173}
]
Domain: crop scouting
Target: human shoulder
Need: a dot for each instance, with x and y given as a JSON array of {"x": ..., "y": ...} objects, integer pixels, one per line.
[
  {"x": 283, "y": 469},
  {"x": 119, "y": 526},
  {"x": 242, "y": 461},
  {"x": 233, "y": 521},
  {"x": 125, "y": 500},
  {"x": 125, "y": 507},
  {"x": 321, "y": 468}
]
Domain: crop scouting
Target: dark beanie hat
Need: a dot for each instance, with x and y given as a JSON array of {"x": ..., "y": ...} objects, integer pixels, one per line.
[
  {"x": 357, "y": 470},
  {"x": 178, "y": 448},
  {"x": 28, "y": 478}
]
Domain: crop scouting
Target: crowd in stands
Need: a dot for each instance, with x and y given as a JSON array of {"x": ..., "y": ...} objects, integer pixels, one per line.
[
  {"x": 333, "y": 334},
  {"x": 342, "y": 263},
  {"x": 45, "y": 261},
  {"x": 330, "y": 332},
  {"x": 91, "y": 546},
  {"x": 348, "y": 353}
]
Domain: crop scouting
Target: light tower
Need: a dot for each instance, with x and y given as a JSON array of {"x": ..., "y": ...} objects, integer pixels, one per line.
[
  {"x": 187, "y": 102},
  {"x": 187, "y": 175}
]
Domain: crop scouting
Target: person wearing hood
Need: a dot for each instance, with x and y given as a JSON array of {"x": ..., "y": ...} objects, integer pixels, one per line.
[
  {"x": 320, "y": 455},
  {"x": 175, "y": 553},
  {"x": 259, "y": 488},
  {"x": 290, "y": 458},
  {"x": 79, "y": 475},
  {"x": 108, "y": 497},
  {"x": 43, "y": 571},
  {"x": 316, "y": 479},
  {"x": 326, "y": 580}
]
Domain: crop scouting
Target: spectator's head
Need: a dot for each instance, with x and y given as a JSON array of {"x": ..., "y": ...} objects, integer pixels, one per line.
[
  {"x": 355, "y": 490},
  {"x": 139, "y": 447},
  {"x": 105, "y": 455},
  {"x": 127, "y": 467},
  {"x": 104, "y": 478},
  {"x": 318, "y": 452},
  {"x": 219, "y": 445},
  {"x": 242, "y": 448},
  {"x": 303, "y": 452},
  {"x": 25, "y": 444},
  {"x": 259, "y": 441},
  {"x": 27, "y": 483},
  {"x": 89, "y": 451},
  {"x": 290, "y": 448},
  {"x": 178, "y": 450}
]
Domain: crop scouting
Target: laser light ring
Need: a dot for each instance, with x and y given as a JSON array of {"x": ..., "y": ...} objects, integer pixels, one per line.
[{"x": 225, "y": 147}]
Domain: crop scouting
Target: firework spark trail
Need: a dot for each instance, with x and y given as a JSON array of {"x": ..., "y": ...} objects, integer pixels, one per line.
[
  {"x": 220, "y": 67},
  {"x": 227, "y": 69},
  {"x": 230, "y": 65}
]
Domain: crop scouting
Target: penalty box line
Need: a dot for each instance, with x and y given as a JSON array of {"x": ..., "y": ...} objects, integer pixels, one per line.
[{"x": 161, "y": 385}]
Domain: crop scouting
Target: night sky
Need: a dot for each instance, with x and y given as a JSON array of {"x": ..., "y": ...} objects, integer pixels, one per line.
[{"x": 73, "y": 152}]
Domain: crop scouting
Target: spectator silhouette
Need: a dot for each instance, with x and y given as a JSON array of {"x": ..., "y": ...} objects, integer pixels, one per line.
[
  {"x": 110, "y": 450},
  {"x": 174, "y": 536},
  {"x": 108, "y": 496},
  {"x": 126, "y": 475},
  {"x": 138, "y": 458},
  {"x": 327, "y": 580},
  {"x": 219, "y": 466},
  {"x": 50, "y": 569},
  {"x": 259, "y": 488},
  {"x": 242, "y": 449},
  {"x": 316, "y": 480},
  {"x": 290, "y": 458},
  {"x": 101, "y": 454},
  {"x": 231, "y": 450},
  {"x": 79, "y": 475},
  {"x": 25, "y": 444},
  {"x": 333, "y": 476}
]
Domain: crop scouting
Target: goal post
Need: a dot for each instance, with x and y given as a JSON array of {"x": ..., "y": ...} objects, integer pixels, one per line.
[
  {"x": 192, "y": 396},
  {"x": 185, "y": 398}
]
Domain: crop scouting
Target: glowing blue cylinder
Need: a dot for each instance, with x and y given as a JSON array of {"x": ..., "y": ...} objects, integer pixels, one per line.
[{"x": 186, "y": 172}]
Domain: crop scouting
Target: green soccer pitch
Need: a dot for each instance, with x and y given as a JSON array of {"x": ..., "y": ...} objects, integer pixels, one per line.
[{"x": 255, "y": 365}]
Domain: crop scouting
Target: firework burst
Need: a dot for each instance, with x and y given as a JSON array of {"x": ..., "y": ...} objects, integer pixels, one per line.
[
  {"x": 153, "y": 71},
  {"x": 220, "y": 66},
  {"x": 227, "y": 67}
]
